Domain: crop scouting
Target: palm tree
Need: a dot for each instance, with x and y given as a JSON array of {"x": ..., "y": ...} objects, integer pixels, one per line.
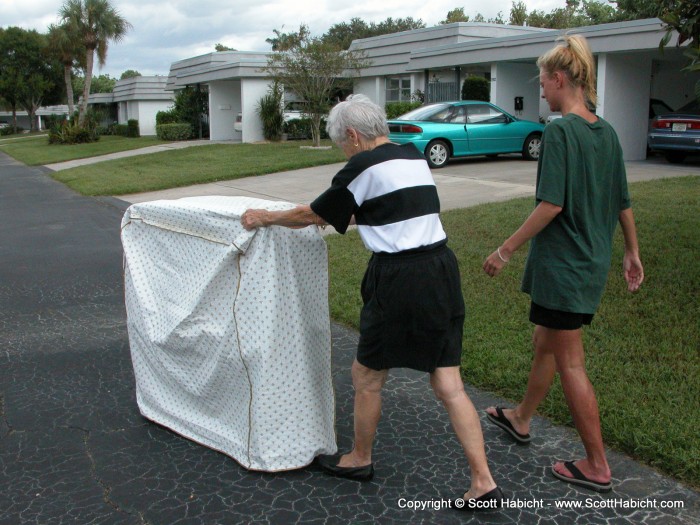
[
  {"x": 67, "y": 46},
  {"x": 97, "y": 23}
]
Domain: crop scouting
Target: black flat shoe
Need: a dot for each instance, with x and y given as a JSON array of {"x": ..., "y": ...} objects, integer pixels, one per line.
[
  {"x": 329, "y": 463},
  {"x": 489, "y": 501}
]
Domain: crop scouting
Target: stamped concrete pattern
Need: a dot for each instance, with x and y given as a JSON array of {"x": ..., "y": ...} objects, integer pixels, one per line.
[{"x": 74, "y": 449}]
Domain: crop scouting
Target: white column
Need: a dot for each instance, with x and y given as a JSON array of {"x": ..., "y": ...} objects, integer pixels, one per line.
[
  {"x": 252, "y": 90},
  {"x": 224, "y": 105},
  {"x": 510, "y": 80},
  {"x": 623, "y": 99}
]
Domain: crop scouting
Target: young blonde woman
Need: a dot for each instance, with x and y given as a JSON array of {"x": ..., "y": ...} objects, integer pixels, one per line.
[{"x": 581, "y": 195}]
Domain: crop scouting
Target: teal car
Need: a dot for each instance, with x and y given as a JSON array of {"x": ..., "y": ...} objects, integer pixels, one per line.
[{"x": 465, "y": 128}]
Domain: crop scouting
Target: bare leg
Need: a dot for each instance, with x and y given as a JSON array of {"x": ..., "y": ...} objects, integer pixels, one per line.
[
  {"x": 368, "y": 385},
  {"x": 449, "y": 389},
  {"x": 539, "y": 381},
  {"x": 580, "y": 397}
]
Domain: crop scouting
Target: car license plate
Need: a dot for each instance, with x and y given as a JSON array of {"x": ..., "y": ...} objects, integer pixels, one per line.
[{"x": 679, "y": 126}]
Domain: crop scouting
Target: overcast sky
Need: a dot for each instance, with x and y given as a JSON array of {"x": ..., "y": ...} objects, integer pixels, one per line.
[{"x": 165, "y": 31}]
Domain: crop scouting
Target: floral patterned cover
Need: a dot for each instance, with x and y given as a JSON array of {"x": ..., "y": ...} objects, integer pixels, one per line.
[{"x": 229, "y": 329}]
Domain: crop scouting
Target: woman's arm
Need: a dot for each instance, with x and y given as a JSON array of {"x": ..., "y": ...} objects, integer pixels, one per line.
[
  {"x": 631, "y": 264},
  {"x": 542, "y": 215},
  {"x": 298, "y": 217}
]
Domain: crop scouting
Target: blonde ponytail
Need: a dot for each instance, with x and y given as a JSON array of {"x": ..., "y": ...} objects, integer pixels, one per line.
[{"x": 573, "y": 57}]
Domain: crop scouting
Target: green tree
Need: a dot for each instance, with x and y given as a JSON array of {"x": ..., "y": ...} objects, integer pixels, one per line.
[
  {"x": 683, "y": 17},
  {"x": 221, "y": 47},
  {"x": 191, "y": 105},
  {"x": 518, "y": 14},
  {"x": 129, "y": 73},
  {"x": 341, "y": 35},
  {"x": 28, "y": 77},
  {"x": 65, "y": 45},
  {"x": 97, "y": 22},
  {"x": 637, "y": 9},
  {"x": 310, "y": 68},
  {"x": 284, "y": 41},
  {"x": 455, "y": 15},
  {"x": 99, "y": 84}
]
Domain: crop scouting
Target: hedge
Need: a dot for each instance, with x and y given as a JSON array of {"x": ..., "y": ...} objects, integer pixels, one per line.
[
  {"x": 175, "y": 131},
  {"x": 396, "y": 109},
  {"x": 300, "y": 129},
  {"x": 132, "y": 130}
]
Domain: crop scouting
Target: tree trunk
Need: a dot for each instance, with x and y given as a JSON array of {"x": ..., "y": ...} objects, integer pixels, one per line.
[
  {"x": 67, "y": 68},
  {"x": 316, "y": 130},
  {"x": 89, "y": 61}
]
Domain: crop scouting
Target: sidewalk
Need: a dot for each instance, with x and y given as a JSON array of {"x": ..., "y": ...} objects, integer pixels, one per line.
[
  {"x": 74, "y": 449},
  {"x": 460, "y": 184}
]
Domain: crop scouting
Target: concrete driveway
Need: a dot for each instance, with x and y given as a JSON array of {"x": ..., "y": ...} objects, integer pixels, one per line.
[{"x": 461, "y": 183}]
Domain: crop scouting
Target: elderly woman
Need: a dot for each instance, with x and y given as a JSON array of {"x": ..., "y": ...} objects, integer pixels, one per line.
[{"x": 413, "y": 311}]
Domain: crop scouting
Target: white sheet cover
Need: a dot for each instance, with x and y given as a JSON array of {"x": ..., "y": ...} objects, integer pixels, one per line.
[{"x": 229, "y": 329}]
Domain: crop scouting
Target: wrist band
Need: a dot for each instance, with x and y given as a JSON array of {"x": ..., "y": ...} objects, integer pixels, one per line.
[{"x": 498, "y": 251}]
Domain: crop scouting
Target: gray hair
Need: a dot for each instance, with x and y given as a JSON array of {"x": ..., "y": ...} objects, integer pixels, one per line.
[{"x": 359, "y": 113}]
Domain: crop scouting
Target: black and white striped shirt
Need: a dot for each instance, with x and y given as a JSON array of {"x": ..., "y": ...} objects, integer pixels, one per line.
[{"x": 392, "y": 194}]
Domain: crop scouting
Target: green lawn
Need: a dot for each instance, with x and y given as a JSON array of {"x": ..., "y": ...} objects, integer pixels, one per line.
[
  {"x": 37, "y": 151},
  {"x": 193, "y": 165},
  {"x": 643, "y": 349}
]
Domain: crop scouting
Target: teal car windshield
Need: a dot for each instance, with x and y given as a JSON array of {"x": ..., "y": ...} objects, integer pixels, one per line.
[{"x": 431, "y": 113}]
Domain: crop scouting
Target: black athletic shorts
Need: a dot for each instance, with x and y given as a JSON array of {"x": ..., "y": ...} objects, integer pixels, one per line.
[
  {"x": 413, "y": 313},
  {"x": 557, "y": 319}
]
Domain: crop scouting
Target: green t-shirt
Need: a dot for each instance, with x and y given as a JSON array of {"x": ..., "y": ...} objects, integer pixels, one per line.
[{"x": 580, "y": 169}]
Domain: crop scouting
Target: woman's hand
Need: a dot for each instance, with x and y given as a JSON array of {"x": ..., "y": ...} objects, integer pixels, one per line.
[
  {"x": 252, "y": 219},
  {"x": 634, "y": 271},
  {"x": 494, "y": 263}
]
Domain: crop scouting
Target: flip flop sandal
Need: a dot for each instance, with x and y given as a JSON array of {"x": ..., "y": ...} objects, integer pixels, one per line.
[
  {"x": 501, "y": 420},
  {"x": 580, "y": 479}
]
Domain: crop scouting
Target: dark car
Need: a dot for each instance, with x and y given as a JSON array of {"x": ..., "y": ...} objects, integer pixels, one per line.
[
  {"x": 677, "y": 134},
  {"x": 465, "y": 128}
]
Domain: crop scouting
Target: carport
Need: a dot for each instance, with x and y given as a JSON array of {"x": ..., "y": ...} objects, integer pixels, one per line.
[
  {"x": 631, "y": 70},
  {"x": 235, "y": 82}
]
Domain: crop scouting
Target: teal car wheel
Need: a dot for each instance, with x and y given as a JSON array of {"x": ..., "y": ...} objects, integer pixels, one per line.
[
  {"x": 437, "y": 153},
  {"x": 531, "y": 147}
]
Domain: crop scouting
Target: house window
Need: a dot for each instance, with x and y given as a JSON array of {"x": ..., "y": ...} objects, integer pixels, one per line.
[{"x": 398, "y": 89}]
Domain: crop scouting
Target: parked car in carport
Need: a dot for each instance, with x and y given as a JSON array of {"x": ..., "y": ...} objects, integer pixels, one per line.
[
  {"x": 446, "y": 130},
  {"x": 677, "y": 135}
]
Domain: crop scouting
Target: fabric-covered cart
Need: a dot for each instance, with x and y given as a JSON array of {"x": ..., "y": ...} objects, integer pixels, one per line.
[{"x": 229, "y": 329}]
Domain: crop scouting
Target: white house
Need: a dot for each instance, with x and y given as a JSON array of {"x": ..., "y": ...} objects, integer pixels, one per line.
[
  {"x": 137, "y": 98},
  {"x": 41, "y": 114},
  {"x": 435, "y": 60},
  {"x": 235, "y": 82}
]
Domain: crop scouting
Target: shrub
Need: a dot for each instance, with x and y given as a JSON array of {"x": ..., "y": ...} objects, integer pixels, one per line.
[
  {"x": 167, "y": 117},
  {"x": 10, "y": 130},
  {"x": 476, "y": 88},
  {"x": 175, "y": 131},
  {"x": 300, "y": 129},
  {"x": 121, "y": 130},
  {"x": 270, "y": 111},
  {"x": 71, "y": 132},
  {"x": 51, "y": 121},
  {"x": 396, "y": 109},
  {"x": 132, "y": 130}
]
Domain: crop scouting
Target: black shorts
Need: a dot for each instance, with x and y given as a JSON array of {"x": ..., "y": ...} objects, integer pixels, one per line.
[
  {"x": 557, "y": 319},
  {"x": 413, "y": 313}
]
